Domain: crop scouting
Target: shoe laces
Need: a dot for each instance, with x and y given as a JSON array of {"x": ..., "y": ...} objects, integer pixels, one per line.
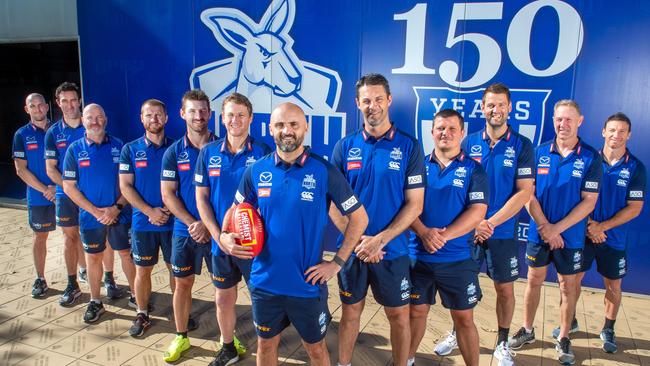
[
  {"x": 451, "y": 337},
  {"x": 565, "y": 343},
  {"x": 506, "y": 350},
  {"x": 521, "y": 332},
  {"x": 609, "y": 335}
]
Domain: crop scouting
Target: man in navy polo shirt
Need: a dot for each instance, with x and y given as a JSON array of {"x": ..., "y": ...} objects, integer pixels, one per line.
[
  {"x": 566, "y": 189},
  {"x": 28, "y": 148},
  {"x": 191, "y": 239},
  {"x": 90, "y": 179},
  {"x": 621, "y": 198},
  {"x": 439, "y": 242},
  {"x": 293, "y": 189},
  {"x": 507, "y": 158},
  {"x": 219, "y": 169},
  {"x": 151, "y": 225},
  {"x": 385, "y": 168}
]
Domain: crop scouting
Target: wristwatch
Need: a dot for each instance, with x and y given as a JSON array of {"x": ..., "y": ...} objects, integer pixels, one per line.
[{"x": 119, "y": 206}]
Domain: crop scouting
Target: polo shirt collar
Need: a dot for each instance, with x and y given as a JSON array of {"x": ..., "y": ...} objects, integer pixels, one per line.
[
  {"x": 148, "y": 142},
  {"x": 301, "y": 161},
  {"x": 577, "y": 148},
  {"x": 248, "y": 145},
  {"x": 36, "y": 128},
  {"x": 90, "y": 142},
  {"x": 460, "y": 157},
  {"x": 389, "y": 135},
  {"x": 187, "y": 142},
  {"x": 506, "y": 136},
  {"x": 624, "y": 159}
]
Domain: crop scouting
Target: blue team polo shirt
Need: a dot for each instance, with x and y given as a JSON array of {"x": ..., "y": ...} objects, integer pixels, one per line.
[
  {"x": 57, "y": 140},
  {"x": 379, "y": 170},
  {"x": 143, "y": 159},
  {"x": 221, "y": 171},
  {"x": 559, "y": 184},
  {"x": 622, "y": 182},
  {"x": 29, "y": 145},
  {"x": 178, "y": 165},
  {"x": 294, "y": 202},
  {"x": 95, "y": 168},
  {"x": 449, "y": 192},
  {"x": 510, "y": 159}
]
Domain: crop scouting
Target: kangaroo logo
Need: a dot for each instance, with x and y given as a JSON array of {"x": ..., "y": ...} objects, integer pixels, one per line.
[{"x": 264, "y": 66}]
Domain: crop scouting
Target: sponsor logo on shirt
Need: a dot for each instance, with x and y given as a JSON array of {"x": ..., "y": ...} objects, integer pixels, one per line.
[
  {"x": 84, "y": 163},
  {"x": 198, "y": 178},
  {"x": 264, "y": 192},
  {"x": 507, "y": 163},
  {"x": 576, "y": 173},
  {"x": 141, "y": 164},
  {"x": 349, "y": 203},
  {"x": 183, "y": 157},
  {"x": 32, "y": 146},
  {"x": 140, "y": 155},
  {"x": 394, "y": 165},
  {"x": 307, "y": 196},
  {"x": 458, "y": 183},
  {"x": 50, "y": 153},
  {"x": 214, "y": 161},
  {"x": 541, "y": 171},
  {"x": 125, "y": 167},
  {"x": 415, "y": 179},
  {"x": 184, "y": 167},
  {"x": 19, "y": 154},
  {"x": 352, "y": 165},
  {"x": 621, "y": 183},
  {"x": 544, "y": 161},
  {"x": 169, "y": 173},
  {"x": 636, "y": 194},
  {"x": 591, "y": 185},
  {"x": 309, "y": 182},
  {"x": 476, "y": 196},
  {"x": 265, "y": 179},
  {"x": 524, "y": 171},
  {"x": 354, "y": 154},
  {"x": 216, "y": 172},
  {"x": 475, "y": 150},
  {"x": 70, "y": 173}
]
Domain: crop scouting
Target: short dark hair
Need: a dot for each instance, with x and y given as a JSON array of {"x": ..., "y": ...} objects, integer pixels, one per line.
[
  {"x": 67, "y": 86},
  {"x": 238, "y": 99},
  {"x": 497, "y": 88},
  {"x": 154, "y": 103},
  {"x": 195, "y": 94},
  {"x": 373, "y": 79},
  {"x": 619, "y": 116},
  {"x": 447, "y": 113}
]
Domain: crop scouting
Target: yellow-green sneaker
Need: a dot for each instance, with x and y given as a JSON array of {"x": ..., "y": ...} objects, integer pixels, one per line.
[
  {"x": 179, "y": 345},
  {"x": 239, "y": 346}
]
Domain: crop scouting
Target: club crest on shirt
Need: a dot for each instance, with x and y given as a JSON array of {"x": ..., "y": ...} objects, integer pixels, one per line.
[
  {"x": 396, "y": 154},
  {"x": 510, "y": 152},
  {"x": 460, "y": 172},
  {"x": 624, "y": 173},
  {"x": 309, "y": 182}
]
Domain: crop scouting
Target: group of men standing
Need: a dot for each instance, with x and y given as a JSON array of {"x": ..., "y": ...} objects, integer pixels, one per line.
[{"x": 412, "y": 225}]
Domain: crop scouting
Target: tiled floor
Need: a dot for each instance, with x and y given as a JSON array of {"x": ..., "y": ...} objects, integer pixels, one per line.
[{"x": 40, "y": 332}]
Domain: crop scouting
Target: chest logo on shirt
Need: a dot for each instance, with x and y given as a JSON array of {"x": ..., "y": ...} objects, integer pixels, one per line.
[
  {"x": 394, "y": 165},
  {"x": 458, "y": 183},
  {"x": 307, "y": 196},
  {"x": 115, "y": 152},
  {"x": 460, "y": 172},
  {"x": 510, "y": 152},
  {"x": 84, "y": 159},
  {"x": 543, "y": 164},
  {"x": 354, "y": 154},
  {"x": 214, "y": 166},
  {"x": 265, "y": 179},
  {"x": 61, "y": 140},
  {"x": 309, "y": 182},
  {"x": 621, "y": 183},
  {"x": 141, "y": 159},
  {"x": 183, "y": 161},
  {"x": 579, "y": 164},
  {"x": 31, "y": 143},
  {"x": 250, "y": 161},
  {"x": 507, "y": 163},
  {"x": 624, "y": 173},
  {"x": 475, "y": 152},
  {"x": 396, "y": 154}
]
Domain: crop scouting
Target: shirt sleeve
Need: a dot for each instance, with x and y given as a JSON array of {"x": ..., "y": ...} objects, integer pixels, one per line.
[
  {"x": 126, "y": 164},
  {"x": 246, "y": 191},
  {"x": 337, "y": 156},
  {"x": 479, "y": 187},
  {"x": 169, "y": 171},
  {"x": 200, "y": 171},
  {"x": 594, "y": 175},
  {"x": 51, "y": 152},
  {"x": 70, "y": 168},
  {"x": 636, "y": 188},
  {"x": 18, "y": 149},
  {"x": 415, "y": 176},
  {"x": 340, "y": 192},
  {"x": 526, "y": 160}
]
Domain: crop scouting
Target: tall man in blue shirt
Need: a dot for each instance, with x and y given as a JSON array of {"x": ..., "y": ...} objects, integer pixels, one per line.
[
  {"x": 90, "y": 179},
  {"x": 566, "y": 189},
  {"x": 386, "y": 170},
  {"x": 28, "y": 148},
  {"x": 621, "y": 198},
  {"x": 191, "y": 239},
  {"x": 507, "y": 158},
  {"x": 219, "y": 169},
  {"x": 151, "y": 225},
  {"x": 293, "y": 189},
  {"x": 439, "y": 245}
]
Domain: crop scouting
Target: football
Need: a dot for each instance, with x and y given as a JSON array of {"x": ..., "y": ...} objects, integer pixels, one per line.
[{"x": 243, "y": 219}]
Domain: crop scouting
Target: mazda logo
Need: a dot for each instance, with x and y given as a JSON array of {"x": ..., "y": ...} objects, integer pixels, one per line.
[
  {"x": 355, "y": 152},
  {"x": 215, "y": 160},
  {"x": 265, "y": 177}
]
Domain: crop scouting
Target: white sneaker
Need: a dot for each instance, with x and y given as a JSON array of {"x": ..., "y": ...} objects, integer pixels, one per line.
[
  {"x": 504, "y": 354},
  {"x": 447, "y": 345}
]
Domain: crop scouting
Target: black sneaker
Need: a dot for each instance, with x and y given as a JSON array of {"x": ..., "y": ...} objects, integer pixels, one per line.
[
  {"x": 39, "y": 288},
  {"x": 83, "y": 275},
  {"x": 225, "y": 357},
  {"x": 70, "y": 295},
  {"x": 140, "y": 324},
  {"x": 564, "y": 353},
  {"x": 521, "y": 338},
  {"x": 93, "y": 312},
  {"x": 134, "y": 304},
  {"x": 112, "y": 291},
  {"x": 609, "y": 340}
]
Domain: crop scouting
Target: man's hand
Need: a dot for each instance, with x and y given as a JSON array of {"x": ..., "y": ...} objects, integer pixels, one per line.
[
  {"x": 432, "y": 239},
  {"x": 158, "y": 216},
  {"x": 228, "y": 244},
  {"x": 596, "y": 232},
  {"x": 483, "y": 231},
  {"x": 322, "y": 272},
  {"x": 50, "y": 193},
  {"x": 548, "y": 231},
  {"x": 369, "y": 247},
  {"x": 109, "y": 216},
  {"x": 199, "y": 232},
  {"x": 556, "y": 243}
]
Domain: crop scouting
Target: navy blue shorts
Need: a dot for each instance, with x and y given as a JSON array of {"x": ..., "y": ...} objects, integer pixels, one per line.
[
  {"x": 309, "y": 315},
  {"x": 501, "y": 257},
  {"x": 457, "y": 283},
  {"x": 188, "y": 256},
  {"x": 389, "y": 281},
  {"x": 67, "y": 212},
  {"x": 610, "y": 263},
  {"x": 94, "y": 240},
  {"x": 145, "y": 246},
  {"x": 41, "y": 218},
  {"x": 227, "y": 270},
  {"x": 566, "y": 261}
]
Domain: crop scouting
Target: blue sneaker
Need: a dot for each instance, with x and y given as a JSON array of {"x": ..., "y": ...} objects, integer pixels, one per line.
[
  {"x": 112, "y": 291},
  {"x": 70, "y": 295},
  {"x": 574, "y": 328},
  {"x": 609, "y": 340}
]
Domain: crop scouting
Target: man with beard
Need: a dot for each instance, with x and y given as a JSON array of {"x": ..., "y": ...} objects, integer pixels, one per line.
[
  {"x": 57, "y": 140},
  {"x": 219, "y": 169},
  {"x": 566, "y": 189},
  {"x": 151, "y": 227},
  {"x": 442, "y": 259},
  {"x": 90, "y": 179},
  {"x": 292, "y": 189},
  {"x": 190, "y": 240},
  {"x": 28, "y": 147},
  {"x": 385, "y": 168},
  {"x": 507, "y": 158}
]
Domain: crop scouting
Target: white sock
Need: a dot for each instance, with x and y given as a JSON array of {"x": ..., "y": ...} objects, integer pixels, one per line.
[
  {"x": 347, "y": 364},
  {"x": 96, "y": 301},
  {"x": 145, "y": 312},
  {"x": 528, "y": 330},
  {"x": 410, "y": 361}
]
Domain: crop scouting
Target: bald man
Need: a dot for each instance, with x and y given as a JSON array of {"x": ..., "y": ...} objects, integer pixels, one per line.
[
  {"x": 90, "y": 179},
  {"x": 28, "y": 150}
]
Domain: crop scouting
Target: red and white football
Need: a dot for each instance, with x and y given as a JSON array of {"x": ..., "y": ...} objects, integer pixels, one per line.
[{"x": 244, "y": 220}]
